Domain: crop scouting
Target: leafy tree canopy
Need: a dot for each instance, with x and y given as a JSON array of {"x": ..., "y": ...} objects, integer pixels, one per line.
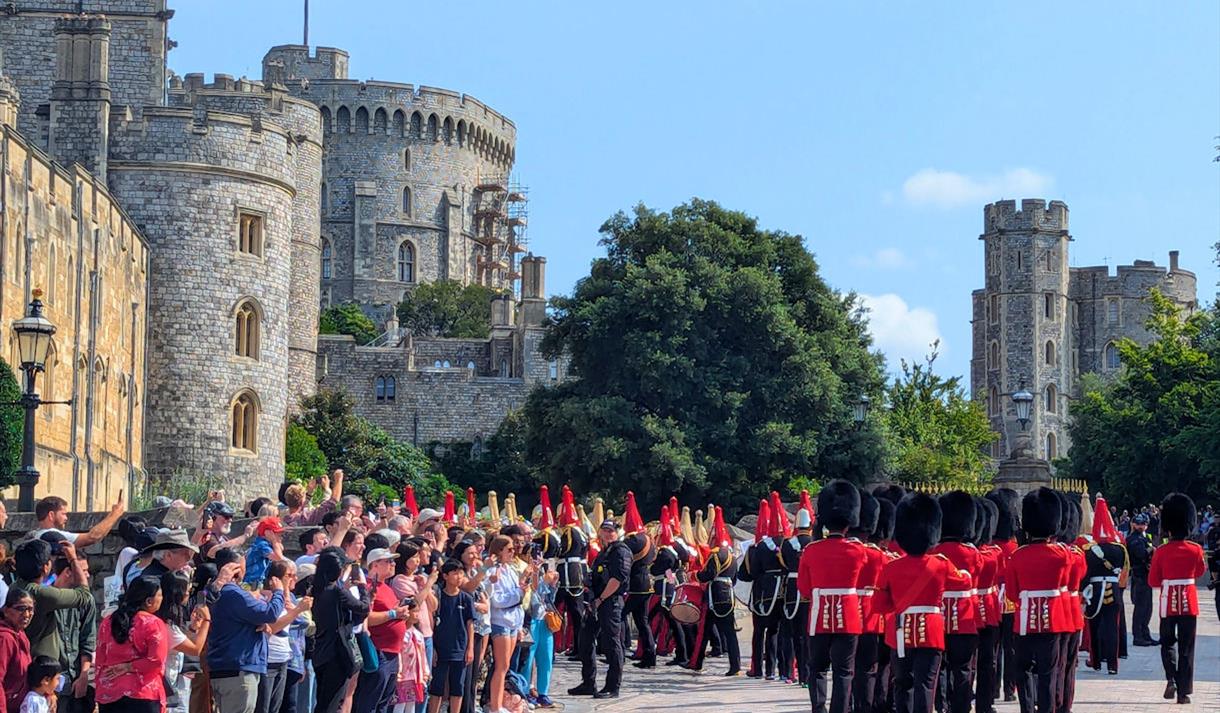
[
  {"x": 303, "y": 460},
  {"x": 448, "y": 309},
  {"x": 12, "y": 425},
  {"x": 348, "y": 319},
  {"x": 709, "y": 359},
  {"x": 498, "y": 463}
]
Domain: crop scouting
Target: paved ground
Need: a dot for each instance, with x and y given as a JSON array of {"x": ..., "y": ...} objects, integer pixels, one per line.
[{"x": 1137, "y": 688}]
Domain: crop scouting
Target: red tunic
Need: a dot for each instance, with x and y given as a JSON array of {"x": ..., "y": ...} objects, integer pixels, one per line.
[
  {"x": 909, "y": 594},
  {"x": 829, "y": 576},
  {"x": 1007, "y": 547},
  {"x": 870, "y": 575},
  {"x": 1035, "y": 578},
  {"x": 1077, "y": 569},
  {"x": 960, "y": 603},
  {"x": 1175, "y": 567},
  {"x": 988, "y": 585}
]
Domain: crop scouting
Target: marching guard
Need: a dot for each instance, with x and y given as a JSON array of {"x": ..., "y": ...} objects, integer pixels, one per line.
[
  {"x": 1107, "y": 568},
  {"x": 883, "y": 535},
  {"x": 639, "y": 586},
  {"x": 793, "y": 643},
  {"x": 762, "y": 569},
  {"x": 1008, "y": 524},
  {"x": 573, "y": 568},
  {"x": 959, "y": 602},
  {"x": 1175, "y": 567},
  {"x": 864, "y": 677},
  {"x": 1069, "y": 642},
  {"x": 990, "y": 607},
  {"x": 668, "y": 571},
  {"x": 717, "y": 574}
]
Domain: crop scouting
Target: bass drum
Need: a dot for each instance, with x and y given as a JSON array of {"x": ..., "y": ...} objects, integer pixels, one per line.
[{"x": 688, "y": 603}]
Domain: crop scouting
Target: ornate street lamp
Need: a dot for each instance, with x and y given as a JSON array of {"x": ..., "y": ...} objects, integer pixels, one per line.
[
  {"x": 34, "y": 334},
  {"x": 1023, "y": 400},
  {"x": 860, "y": 409}
]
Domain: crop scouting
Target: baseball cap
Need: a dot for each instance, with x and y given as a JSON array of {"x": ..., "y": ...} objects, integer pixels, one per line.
[
  {"x": 269, "y": 524},
  {"x": 609, "y": 525},
  {"x": 429, "y": 514},
  {"x": 218, "y": 509},
  {"x": 1140, "y": 519},
  {"x": 379, "y": 553}
]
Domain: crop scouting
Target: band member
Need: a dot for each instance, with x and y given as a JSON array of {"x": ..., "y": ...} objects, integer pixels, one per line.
[
  {"x": 909, "y": 593},
  {"x": 990, "y": 609},
  {"x": 829, "y": 576},
  {"x": 959, "y": 602},
  {"x": 864, "y": 678},
  {"x": 883, "y": 536},
  {"x": 761, "y": 568},
  {"x": 1175, "y": 567},
  {"x": 1036, "y": 575},
  {"x": 792, "y": 639},
  {"x": 1008, "y": 524},
  {"x": 573, "y": 568},
  {"x": 1139, "y": 550},
  {"x": 719, "y": 569},
  {"x": 639, "y": 591},
  {"x": 601, "y": 630},
  {"x": 668, "y": 570},
  {"x": 1106, "y": 571}
]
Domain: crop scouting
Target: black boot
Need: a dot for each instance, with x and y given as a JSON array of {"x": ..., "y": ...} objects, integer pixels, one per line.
[
  {"x": 584, "y": 689},
  {"x": 1171, "y": 691}
]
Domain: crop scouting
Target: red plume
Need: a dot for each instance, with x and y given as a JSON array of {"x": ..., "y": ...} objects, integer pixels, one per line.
[
  {"x": 1103, "y": 524},
  {"x": 546, "y": 520},
  {"x": 762, "y": 528},
  {"x": 408, "y": 499},
  {"x": 666, "y": 537},
  {"x": 450, "y": 508},
  {"x": 781, "y": 526},
  {"x": 673, "y": 513},
  {"x": 721, "y": 537},
  {"x": 632, "y": 522},
  {"x": 807, "y": 504},
  {"x": 471, "y": 512},
  {"x": 567, "y": 509}
]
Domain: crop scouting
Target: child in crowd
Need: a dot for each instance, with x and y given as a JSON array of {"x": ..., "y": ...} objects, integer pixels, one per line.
[
  {"x": 413, "y": 664},
  {"x": 266, "y": 548},
  {"x": 42, "y": 677},
  {"x": 452, "y": 639}
]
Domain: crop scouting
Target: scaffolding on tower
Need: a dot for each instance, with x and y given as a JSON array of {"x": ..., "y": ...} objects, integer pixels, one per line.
[{"x": 501, "y": 216}]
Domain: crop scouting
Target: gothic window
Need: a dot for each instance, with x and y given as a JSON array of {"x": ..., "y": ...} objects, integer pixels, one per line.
[
  {"x": 244, "y": 432},
  {"x": 1050, "y": 353},
  {"x": 417, "y": 124},
  {"x": 398, "y": 127},
  {"x": 461, "y": 133},
  {"x": 432, "y": 127},
  {"x": 406, "y": 262},
  {"x": 1048, "y": 305},
  {"x": 250, "y": 234},
  {"x": 436, "y": 364},
  {"x": 1112, "y": 306},
  {"x": 993, "y": 356},
  {"x": 247, "y": 330},
  {"x": 406, "y": 201},
  {"x": 379, "y": 121},
  {"x": 1112, "y": 359},
  {"x": 362, "y": 121},
  {"x": 343, "y": 121},
  {"x": 385, "y": 388},
  {"x": 1052, "y": 399},
  {"x": 447, "y": 130},
  {"x": 327, "y": 259},
  {"x": 406, "y": 159},
  {"x": 470, "y": 365},
  {"x": 325, "y": 120},
  {"x": 446, "y": 364},
  {"x": 1052, "y": 447},
  {"x": 993, "y": 309},
  {"x": 993, "y": 402}
]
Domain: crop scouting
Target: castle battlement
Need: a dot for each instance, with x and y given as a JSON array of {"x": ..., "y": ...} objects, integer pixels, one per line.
[
  {"x": 409, "y": 98},
  {"x": 1034, "y": 214},
  {"x": 325, "y": 63}
]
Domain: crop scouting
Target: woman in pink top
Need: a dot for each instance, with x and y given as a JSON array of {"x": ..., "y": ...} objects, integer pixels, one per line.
[
  {"x": 407, "y": 582},
  {"x": 132, "y": 648}
]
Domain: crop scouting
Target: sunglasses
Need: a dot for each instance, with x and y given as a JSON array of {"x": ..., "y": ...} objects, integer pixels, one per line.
[{"x": 24, "y": 608}]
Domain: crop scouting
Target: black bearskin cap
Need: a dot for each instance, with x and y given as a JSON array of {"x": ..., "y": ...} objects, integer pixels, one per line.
[
  {"x": 1178, "y": 515},
  {"x": 839, "y": 506},
  {"x": 1075, "y": 513},
  {"x": 991, "y": 518},
  {"x": 957, "y": 507},
  {"x": 890, "y": 492},
  {"x": 869, "y": 512},
  {"x": 1040, "y": 513},
  {"x": 917, "y": 523},
  {"x": 1008, "y": 517},
  {"x": 885, "y": 519}
]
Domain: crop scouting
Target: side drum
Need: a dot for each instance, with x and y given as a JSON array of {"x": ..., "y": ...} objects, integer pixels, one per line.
[{"x": 688, "y": 603}]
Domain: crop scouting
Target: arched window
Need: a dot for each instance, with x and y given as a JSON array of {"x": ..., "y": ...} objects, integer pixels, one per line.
[
  {"x": 343, "y": 121},
  {"x": 470, "y": 365},
  {"x": 417, "y": 125},
  {"x": 1048, "y": 305},
  {"x": 993, "y": 356},
  {"x": 325, "y": 120},
  {"x": 406, "y": 201},
  {"x": 1052, "y": 399},
  {"x": 436, "y": 364},
  {"x": 327, "y": 259},
  {"x": 379, "y": 121},
  {"x": 1050, "y": 353},
  {"x": 406, "y": 262},
  {"x": 385, "y": 388},
  {"x": 993, "y": 402},
  {"x": 1112, "y": 359},
  {"x": 446, "y": 364},
  {"x": 399, "y": 125},
  {"x": 447, "y": 130},
  {"x": 250, "y": 233},
  {"x": 247, "y": 326},
  {"x": 362, "y": 120},
  {"x": 406, "y": 159},
  {"x": 244, "y": 432},
  {"x": 432, "y": 127},
  {"x": 1052, "y": 447}
]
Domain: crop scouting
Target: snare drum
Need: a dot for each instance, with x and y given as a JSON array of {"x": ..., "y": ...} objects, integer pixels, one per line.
[{"x": 688, "y": 603}]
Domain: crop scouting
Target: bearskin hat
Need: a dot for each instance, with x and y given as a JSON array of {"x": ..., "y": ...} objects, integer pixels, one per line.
[
  {"x": 1008, "y": 516},
  {"x": 958, "y": 516},
  {"x": 890, "y": 492},
  {"x": 1178, "y": 515},
  {"x": 917, "y": 522},
  {"x": 1041, "y": 510},
  {"x": 839, "y": 506},
  {"x": 1072, "y": 505},
  {"x": 869, "y": 513},
  {"x": 991, "y": 517},
  {"x": 885, "y": 519}
]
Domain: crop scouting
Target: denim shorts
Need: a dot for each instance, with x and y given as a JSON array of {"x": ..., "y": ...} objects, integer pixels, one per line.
[{"x": 497, "y": 630}]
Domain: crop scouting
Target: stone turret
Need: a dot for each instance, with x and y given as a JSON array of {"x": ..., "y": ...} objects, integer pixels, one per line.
[
  {"x": 80, "y": 95},
  {"x": 10, "y": 98}
]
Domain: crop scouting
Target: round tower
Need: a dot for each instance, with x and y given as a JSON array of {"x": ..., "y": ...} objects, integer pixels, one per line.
[{"x": 1022, "y": 323}]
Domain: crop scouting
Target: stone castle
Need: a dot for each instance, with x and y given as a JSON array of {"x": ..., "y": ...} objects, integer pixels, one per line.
[
  {"x": 1039, "y": 324},
  {"x": 186, "y": 234}
]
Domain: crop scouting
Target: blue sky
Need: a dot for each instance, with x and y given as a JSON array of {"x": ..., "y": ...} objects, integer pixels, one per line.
[{"x": 876, "y": 130}]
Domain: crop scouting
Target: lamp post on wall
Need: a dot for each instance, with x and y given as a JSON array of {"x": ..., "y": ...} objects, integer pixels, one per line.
[{"x": 34, "y": 334}]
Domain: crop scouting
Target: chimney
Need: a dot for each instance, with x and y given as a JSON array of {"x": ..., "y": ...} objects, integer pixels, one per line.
[
  {"x": 1173, "y": 260},
  {"x": 533, "y": 290}
]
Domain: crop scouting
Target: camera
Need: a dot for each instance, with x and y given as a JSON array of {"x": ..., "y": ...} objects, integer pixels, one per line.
[{"x": 535, "y": 550}]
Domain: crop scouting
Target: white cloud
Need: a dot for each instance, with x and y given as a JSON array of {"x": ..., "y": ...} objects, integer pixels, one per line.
[
  {"x": 883, "y": 259},
  {"x": 949, "y": 189},
  {"x": 899, "y": 330}
]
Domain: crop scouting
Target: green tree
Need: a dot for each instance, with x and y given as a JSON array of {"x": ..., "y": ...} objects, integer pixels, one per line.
[
  {"x": 448, "y": 309},
  {"x": 12, "y": 425},
  {"x": 935, "y": 432},
  {"x": 709, "y": 359},
  {"x": 1155, "y": 428},
  {"x": 349, "y": 319},
  {"x": 303, "y": 460},
  {"x": 498, "y": 463}
]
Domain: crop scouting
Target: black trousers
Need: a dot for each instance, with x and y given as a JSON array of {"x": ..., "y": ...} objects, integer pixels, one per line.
[
  {"x": 1120, "y": 598},
  {"x": 659, "y": 613},
  {"x": 1141, "y": 617},
  {"x": 331, "y": 683},
  {"x": 1068, "y": 648},
  {"x": 573, "y": 608},
  {"x": 1103, "y": 634},
  {"x": 883, "y": 684},
  {"x": 1178, "y": 651},
  {"x": 834, "y": 653},
  {"x": 985, "y": 669},
  {"x": 1038, "y": 665},
  {"x": 864, "y": 680},
  {"x": 915, "y": 680},
  {"x": 1008, "y": 678},
  {"x": 637, "y": 608},
  {"x": 794, "y": 644},
  {"x": 955, "y": 688},
  {"x": 764, "y": 643},
  {"x": 722, "y": 630},
  {"x": 602, "y": 631}
]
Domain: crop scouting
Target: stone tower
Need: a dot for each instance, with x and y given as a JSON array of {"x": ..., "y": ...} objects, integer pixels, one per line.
[{"x": 79, "y": 121}]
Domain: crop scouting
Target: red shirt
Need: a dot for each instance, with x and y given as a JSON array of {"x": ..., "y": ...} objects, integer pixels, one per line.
[
  {"x": 832, "y": 567},
  {"x": 386, "y": 637},
  {"x": 146, "y": 649},
  {"x": 988, "y": 585},
  {"x": 960, "y": 603},
  {"x": 911, "y": 589},
  {"x": 870, "y": 575},
  {"x": 1076, "y": 571},
  {"x": 1034, "y": 580},
  {"x": 14, "y": 660},
  {"x": 1174, "y": 564}
]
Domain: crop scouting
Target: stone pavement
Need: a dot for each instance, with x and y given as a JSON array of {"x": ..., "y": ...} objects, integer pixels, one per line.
[{"x": 1137, "y": 688}]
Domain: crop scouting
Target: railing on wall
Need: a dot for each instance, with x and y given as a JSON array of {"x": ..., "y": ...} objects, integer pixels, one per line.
[{"x": 1067, "y": 485}]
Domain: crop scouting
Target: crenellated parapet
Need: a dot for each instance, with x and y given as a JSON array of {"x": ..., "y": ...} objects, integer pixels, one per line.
[{"x": 1035, "y": 214}]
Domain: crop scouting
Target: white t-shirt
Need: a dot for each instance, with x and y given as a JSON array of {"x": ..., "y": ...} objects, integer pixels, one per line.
[
  {"x": 173, "y": 663},
  {"x": 69, "y": 536},
  {"x": 306, "y": 559},
  {"x": 126, "y": 555},
  {"x": 279, "y": 648},
  {"x": 35, "y": 703}
]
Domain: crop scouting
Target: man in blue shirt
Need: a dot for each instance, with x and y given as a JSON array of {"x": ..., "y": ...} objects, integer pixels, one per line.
[{"x": 237, "y": 649}]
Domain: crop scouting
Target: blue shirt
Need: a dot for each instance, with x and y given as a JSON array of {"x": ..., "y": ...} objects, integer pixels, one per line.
[
  {"x": 234, "y": 641},
  {"x": 449, "y": 635},
  {"x": 257, "y": 560}
]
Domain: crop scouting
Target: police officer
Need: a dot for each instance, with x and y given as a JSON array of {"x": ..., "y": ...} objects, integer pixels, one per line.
[
  {"x": 1213, "y": 561},
  {"x": 603, "y": 622},
  {"x": 1139, "y": 548}
]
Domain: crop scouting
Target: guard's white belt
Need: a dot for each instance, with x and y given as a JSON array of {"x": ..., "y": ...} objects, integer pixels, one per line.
[
  {"x": 1166, "y": 585},
  {"x": 902, "y": 632},
  {"x": 723, "y": 579},
  {"x": 574, "y": 560},
  {"x": 1029, "y": 594},
  {"x": 960, "y": 594},
  {"x": 1104, "y": 579},
  {"x": 867, "y": 592},
  {"x": 815, "y": 598},
  {"x": 792, "y": 575},
  {"x": 990, "y": 590}
]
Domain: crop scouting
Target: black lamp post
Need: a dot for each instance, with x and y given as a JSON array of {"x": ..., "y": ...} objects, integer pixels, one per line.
[
  {"x": 1023, "y": 401},
  {"x": 860, "y": 409},
  {"x": 34, "y": 334}
]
